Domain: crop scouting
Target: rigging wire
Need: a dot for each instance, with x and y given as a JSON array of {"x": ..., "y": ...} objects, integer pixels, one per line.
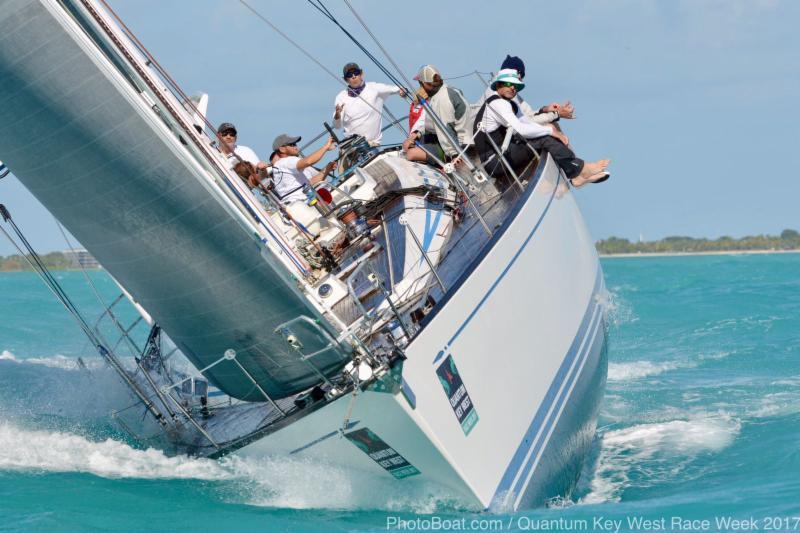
[
  {"x": 468, "y": 74},
  {"x": 35, "y": 261},
  {"x": 95, "y": 290},
  {"x": 385, "y": 53},
  {"x": 319, "y": 6},
  {"x": 305, "y": 52}
]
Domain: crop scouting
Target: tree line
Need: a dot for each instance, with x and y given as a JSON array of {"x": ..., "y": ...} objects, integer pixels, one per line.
[
  {"x": 53, "y": 261},
  {"x": 789, "y": 239}
]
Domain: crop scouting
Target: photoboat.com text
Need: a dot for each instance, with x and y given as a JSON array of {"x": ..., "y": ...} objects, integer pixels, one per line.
[{"x": 594, "y": 524}]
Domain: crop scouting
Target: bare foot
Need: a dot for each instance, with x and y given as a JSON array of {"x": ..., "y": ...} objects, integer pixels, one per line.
[
  {"x": 578, "y": 181},
  {"x": 591, "y": 173},
  {"x": 590, "y": 169}
]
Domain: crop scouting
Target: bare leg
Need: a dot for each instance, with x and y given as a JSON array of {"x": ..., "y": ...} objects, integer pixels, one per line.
[{"x": 416, "y": 154}]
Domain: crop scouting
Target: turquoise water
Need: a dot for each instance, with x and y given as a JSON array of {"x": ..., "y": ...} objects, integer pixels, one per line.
[{"x": 701, "y": 421}]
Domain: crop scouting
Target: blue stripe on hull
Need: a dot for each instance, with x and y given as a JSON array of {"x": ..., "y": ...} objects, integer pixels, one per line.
[
  {"x": 546, "y": 417},
  {"x": 558, "y": 470}
]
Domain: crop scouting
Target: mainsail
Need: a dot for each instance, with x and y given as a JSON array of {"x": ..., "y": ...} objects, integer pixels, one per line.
[{"x": 85, "y": 135}]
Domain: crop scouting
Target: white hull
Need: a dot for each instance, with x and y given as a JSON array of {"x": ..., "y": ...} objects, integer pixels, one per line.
[{"x": 526, "y": 332}]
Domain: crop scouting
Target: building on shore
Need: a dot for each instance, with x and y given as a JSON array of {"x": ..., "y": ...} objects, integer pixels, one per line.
[{"x": 80, "y": 258}]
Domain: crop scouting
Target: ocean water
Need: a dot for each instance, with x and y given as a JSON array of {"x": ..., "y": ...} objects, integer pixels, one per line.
[{"x": 700, "y": 422}]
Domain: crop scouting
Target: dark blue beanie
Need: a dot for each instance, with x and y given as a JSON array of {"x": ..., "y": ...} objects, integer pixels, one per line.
[{"x": 515, "y": 63}]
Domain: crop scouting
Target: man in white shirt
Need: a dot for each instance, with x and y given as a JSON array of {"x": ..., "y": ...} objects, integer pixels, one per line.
[
  {"x": 291, "y": 173},
  {"x": 358, "y": 108},
  {"x": 228, "y": 135},
  {"x": 545, "y": 115},
  {"x": 499, "y": 113}
]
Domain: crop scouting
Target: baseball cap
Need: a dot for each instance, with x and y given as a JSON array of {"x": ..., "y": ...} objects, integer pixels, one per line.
[
  {"x": 225, "y": 126},
  {"x": 426, "y": 74},
  {"x": 349, "y": 68},
  {"x": 282, "y": 140}
]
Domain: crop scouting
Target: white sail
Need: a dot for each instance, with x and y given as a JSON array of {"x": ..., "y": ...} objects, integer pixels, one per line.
[{"x": 82, "y": 136}]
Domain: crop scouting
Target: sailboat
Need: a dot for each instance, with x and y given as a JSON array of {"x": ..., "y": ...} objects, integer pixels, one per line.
[{"x": 412, "y": 322}]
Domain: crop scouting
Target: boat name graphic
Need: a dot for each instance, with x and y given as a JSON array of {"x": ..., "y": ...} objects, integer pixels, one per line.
[{"x": 457, "y": 394}]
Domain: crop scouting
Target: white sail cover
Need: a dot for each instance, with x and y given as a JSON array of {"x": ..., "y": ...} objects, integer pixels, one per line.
[{"x": 81, "y": 138}]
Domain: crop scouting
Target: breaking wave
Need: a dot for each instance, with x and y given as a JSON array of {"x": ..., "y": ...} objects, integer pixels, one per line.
[
  {"x": 279, "y": 482},
  {"x": 618, "y": 310},
  {"x": 56, "y": 361},
  {"x": 37, "y": 450},
  {"x": 647, "y": 454},
  {"x": 54, "y": 417},
  {"x": 641, "y": 369}
]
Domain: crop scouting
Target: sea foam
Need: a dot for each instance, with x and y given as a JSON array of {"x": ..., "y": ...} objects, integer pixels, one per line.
[
  {"x": 56, "y": 361},
  {"x": 660, "y": 450},
  {"x": 641, "y": 369},
  {"x": 281, "y": 482},
  {"x": 38, "y": 450}
]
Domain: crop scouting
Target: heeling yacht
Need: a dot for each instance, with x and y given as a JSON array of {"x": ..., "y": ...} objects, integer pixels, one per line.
[{"x": 410, "y": 321}]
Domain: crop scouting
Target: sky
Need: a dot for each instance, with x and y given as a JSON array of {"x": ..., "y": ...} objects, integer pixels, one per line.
[{"x": 695, "y": 101}]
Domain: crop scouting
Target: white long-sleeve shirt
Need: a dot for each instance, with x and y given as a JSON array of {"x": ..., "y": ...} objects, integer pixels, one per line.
[
  {"x": 500, "y": 113},
  {"x": 527, "y": 110},
  {"x": 362, "y": 114}
]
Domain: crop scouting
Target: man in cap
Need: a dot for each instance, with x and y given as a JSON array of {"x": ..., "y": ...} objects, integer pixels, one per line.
[
  {"x": 500, "y": 118},
  {"x": 291, "y": 173},
  {"x": 359, "y": 107},
  {"x": 227, "y": 134},
  {"x": 449, "y": 104}
]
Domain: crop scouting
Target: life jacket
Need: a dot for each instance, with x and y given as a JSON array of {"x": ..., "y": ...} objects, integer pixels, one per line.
[
  {"x": 482, "y": 144},
  {"x": 414, "y": 112}
]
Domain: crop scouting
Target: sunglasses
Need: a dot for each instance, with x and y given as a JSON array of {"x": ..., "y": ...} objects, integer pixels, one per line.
[
  {"x": 508, "y": 84},
  {"x": 228, "y": 133},
  {"x": 352, "y": 74},
  {"x": 290, "y": 144}
]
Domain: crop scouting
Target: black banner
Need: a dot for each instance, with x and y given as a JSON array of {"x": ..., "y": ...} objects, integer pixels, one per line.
[{"x": 383, "y": 454}]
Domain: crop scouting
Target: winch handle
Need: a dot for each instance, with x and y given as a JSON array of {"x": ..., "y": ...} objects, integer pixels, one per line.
[{"x": 332, "y": 133}]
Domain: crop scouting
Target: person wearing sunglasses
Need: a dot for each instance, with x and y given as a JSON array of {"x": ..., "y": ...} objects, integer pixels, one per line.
[
  {"x": 291, "y": 173},
  {"x": 549, "y": 114},
  {"x": 227, "y": 136},
  {"x": 358, "y": 108},
  {"x": 514, "y": 134}
]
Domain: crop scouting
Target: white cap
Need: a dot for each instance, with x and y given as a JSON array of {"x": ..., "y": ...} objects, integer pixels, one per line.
[
  {"x": 427, "y": 73},
  {"x": 507, "y": 75}
]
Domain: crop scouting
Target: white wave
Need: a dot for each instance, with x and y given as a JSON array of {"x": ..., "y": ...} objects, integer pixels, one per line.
[
  {"x": 24, "y": 449},
  {"x": 282, "y": 482},
  {"x": 715, "y": 356},
  {"x": 617, "y": 310},
  {"x": 776, "y": 404},
  {"x": 792, "y": 381},
  {"x": 641, "y": 369},
  {"x": 654, "y": 452},
  {"x": 56, "y": 361},
  {"x": 301, "y": 483}
]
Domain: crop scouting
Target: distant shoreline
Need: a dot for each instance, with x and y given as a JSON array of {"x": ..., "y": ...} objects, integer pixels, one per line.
[
  {"x": 714, "y": 252},
  {"x": 51, "y": 269},
  {"x": 602, "y": 256}
]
